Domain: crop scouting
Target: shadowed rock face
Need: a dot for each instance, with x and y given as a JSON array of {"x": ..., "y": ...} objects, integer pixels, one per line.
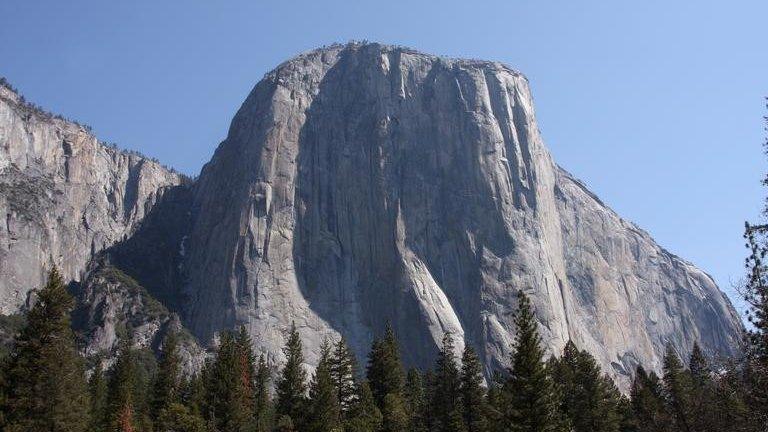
[
  {"x": 64, "y": 197},
  {"x": 367, "y": 184}
]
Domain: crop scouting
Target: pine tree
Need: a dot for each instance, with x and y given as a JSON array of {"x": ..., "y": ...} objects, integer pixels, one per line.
[
  {"x": 343, "y": 365},
  {"x": 415, "y": 401},
  {"x": 702, "y": 391},
  {"x": 46, "y": 385},
  {"x": 394, "y": 416},
  {"x": 647, "y": 401},
  {"x": 292, "y": 385},
  {"x": 229, "y": 390},
  {"x": 497, "y": 402},
  {"x": 263, "y": 411},
  {"x": 590, "y": 400},
  {"x": 474, "y": 405},
  {"x": 324, "y": 407},
  {"x": 386, "y": 379},
  {"x": 122, "y": 397},
  {"x": 755, "y": 293},
  {"x": 364, "y": 415},
  {"x": 532, "y": 400},
  {"x": 177, "y": 417},
  {"x": 446, "y": 399},
  {"x": 677, "y": 384},
  {"x": 168, "y": 383},
  {"x": 385, "y": 370},
  {"x": 98, "y": 390}
]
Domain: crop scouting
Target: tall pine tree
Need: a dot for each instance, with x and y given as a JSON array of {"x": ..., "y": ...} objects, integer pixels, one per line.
[
  {"x": 385, "y": 370},
  {"x": 647, "y": 401},
  {"x": 263, "y": 410},
  {"x": 343, "y": 365},
  {"x": 292, "y": 385},
  {"x": 386, "y": 378},
  {"x": 473, "y": 400},
  {"x": 590, "y": 400},
  {"x": 229, "y": 392},
  {"x": 532, "y": 404},
  {"x": 324, "y": 410},
  {"x": 445, "y": 406},
  {"x": 46, "y": 388},
  {"x": 677, "y": 384}
]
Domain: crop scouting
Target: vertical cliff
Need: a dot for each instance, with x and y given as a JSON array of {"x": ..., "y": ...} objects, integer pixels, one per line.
[
  {"x": 64, "y": 196},
  {"x": 366, "y": 184}
]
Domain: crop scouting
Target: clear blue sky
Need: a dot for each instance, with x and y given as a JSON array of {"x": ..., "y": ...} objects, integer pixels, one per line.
[{"x": 656, "y": 105}]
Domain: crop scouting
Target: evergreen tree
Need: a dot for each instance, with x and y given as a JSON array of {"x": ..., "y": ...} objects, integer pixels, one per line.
[
  {"x": 416, "y": 402},
  {"x": 677, "y": 384},
  {"x": 446, "y": 399},
  {"x": 385, "y": 370},
  {"x": 98, "y": 390},
  {"x": 394, "y": 416},
  {"x": 168, "y": 383},
  {"x": 324, "y": 407},
  {"x": 364, "y": 415},
  {"x": 474, "y": 405},
  {"x": 386, "y": 379},
  {"x": 229, "y": 392},
  {"x": 756, "y": 294},
  {"x": 590, "y": 400},
  {"x": 122, "y": 397},
  {"x": 647, "y": 400},
  {"x": 497, "y": 402},
  {"x": 702, "y": 391},
  {"x": 46, "y": 388},
  {"x": 532, "y": 403},
  {"x": 343, "y": 366},
  {"x": 292, "y": 385},
  {"x": 263, "y": 411},
  {"x": 177, "y": 417}
]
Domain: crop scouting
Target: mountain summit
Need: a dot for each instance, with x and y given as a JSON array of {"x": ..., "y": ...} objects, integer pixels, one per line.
[{"x": 367, "y": 185}]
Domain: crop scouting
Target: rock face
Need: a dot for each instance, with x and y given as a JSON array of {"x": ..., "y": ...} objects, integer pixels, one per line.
[
  {"x": 63, "y": 197},
  {"x": 359, "y": 185},
  {"x": 113, "y": 308},
  {"x": 362, "y": 185}
]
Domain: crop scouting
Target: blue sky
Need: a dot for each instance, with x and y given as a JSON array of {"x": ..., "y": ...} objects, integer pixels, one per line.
[{"x": 656, "y": 105}]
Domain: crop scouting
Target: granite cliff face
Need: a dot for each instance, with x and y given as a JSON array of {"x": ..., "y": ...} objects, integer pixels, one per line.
[
  {"x": 359, "y": 185},
  {"x": 362, "y": 185},
  {"x": 64, "y": 197}
]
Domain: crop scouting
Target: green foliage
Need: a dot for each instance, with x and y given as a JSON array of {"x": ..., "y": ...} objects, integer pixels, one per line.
[
  {"x": 648, "y": 403},
  {"x": 445, "y": 406},
  {"x": 176, "y": 417},
  {"x": 343, "y": 365},
  {"x": 678, "y": 386},
  {"x": 416, "y": 401},
  {"x": 590, "y": 400},
  {"x": 473, "y": 399},
  {"x": 292, "y": 385},
  {"x": 46, "y": 388},
  {"x": 98, "y": 390},
  {"x": 385, "y": 370},
  {"x": 364, "y": 415},
  {"x": 125, "y": 393},
  {"x": 168, "y": 384},
  {"x": 229, "y": 403},
  {"x": 324, "y": 409},
  {"x": 263, "y": 409},
  {"x": 531, "y": 402}
]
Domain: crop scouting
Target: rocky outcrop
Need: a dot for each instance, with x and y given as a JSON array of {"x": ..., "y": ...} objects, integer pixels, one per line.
[
  {"x": 112, "y": 309},
  {"x": 64, "y": 196},
  {"x": 362, "y": 185}
]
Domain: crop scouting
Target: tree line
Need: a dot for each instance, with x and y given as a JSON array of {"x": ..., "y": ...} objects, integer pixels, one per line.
[{"x": 44, "y": 386}]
